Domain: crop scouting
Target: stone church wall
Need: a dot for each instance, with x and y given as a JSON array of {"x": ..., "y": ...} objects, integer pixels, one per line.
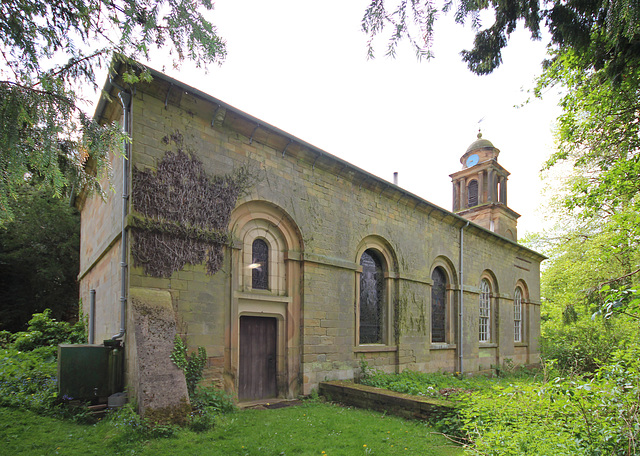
[{"x": 339, "y": 211}]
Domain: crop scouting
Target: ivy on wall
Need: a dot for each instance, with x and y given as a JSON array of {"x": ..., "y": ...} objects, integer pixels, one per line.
[{"x": 182, "y": 215}]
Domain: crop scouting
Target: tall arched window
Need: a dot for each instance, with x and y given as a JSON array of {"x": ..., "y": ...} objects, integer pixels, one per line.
[
  {"x": 260, "y": 265},
  {"x": 473, "y": 193},
  {"x": 517, "y": 315},
  {"x": 372, "y": 290},
  {"x": 485, "y": 311},
  {"x": 438, "y": 305}
]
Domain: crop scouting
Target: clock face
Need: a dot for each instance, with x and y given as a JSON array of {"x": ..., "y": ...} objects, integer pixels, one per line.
[{"x": 472, "y": 160}]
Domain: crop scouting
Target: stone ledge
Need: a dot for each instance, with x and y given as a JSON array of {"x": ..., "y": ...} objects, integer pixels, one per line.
[{"x": 382, "y": 400}]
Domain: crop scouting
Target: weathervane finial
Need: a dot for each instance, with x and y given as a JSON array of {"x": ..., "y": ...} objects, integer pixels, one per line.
[{"x": 479, "y": 129}]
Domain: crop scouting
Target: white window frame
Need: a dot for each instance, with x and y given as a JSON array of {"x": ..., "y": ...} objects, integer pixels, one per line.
[
  {"x": 517, "y": 315},
  {"x": 484, "y": 333}
]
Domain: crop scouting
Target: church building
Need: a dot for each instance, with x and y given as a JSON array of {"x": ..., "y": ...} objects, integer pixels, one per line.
[{"x": 287, "y": 264}]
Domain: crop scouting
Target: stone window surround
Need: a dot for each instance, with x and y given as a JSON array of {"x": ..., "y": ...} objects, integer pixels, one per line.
[
  {"x": 260, "y": 229},
  {"x": 390, "y": 276},
  {"x": 262, "y": 219},
  {"x": 490, "y": 337},
  {"x": 523, "y": 313},
  {"x": 450, "y": 329}
]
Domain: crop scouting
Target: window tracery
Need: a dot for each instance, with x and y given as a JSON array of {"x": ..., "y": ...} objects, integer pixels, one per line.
[
  {"x": 517, "y": 315},
  {"x": 485, "y": 311},
  {"x": 438, "y": 305},
  {"x": 260, "y": 265},
  {"x": 372, "y": 290}
]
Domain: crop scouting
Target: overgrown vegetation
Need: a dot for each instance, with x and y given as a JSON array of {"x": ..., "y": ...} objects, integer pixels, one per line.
[
  {"x": 39, "y": 259},
  {"x": 28, "y": 364},
  {"x": 563, "y": 415},
  {"x": 553, "y": 412},
  {"x": 206, "y": 401},
  {"x": 183, "y": 213},
  {"x": 28, "y": 380},
  {"x": 191, "y": 364},
  {"x": 585, "y": 345}
]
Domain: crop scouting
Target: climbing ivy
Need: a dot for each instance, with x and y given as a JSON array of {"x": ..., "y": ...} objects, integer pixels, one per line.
[{"x": 182, "y": 214}]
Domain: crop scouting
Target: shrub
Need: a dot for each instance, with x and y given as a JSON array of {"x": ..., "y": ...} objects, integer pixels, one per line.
[
  {"x": 203, "y": 419},
  {"x": 561, "y": 416},
  {"x": 44, "y": 331},
  {"x": 191, "y": 364},
  {"x": 585, "y": 345},
  {"x": 6, "y": 339},
  {"x": 27, "y": 379},
  {"x": 213, "y": 399}
]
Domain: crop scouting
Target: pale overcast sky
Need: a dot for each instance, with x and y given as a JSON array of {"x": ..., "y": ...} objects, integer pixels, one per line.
[{"x": 301, "y": 66}]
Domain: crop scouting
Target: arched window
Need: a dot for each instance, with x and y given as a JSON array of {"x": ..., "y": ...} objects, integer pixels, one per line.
[
  {"x": 485, "y": 311},
  {"x": 260, "y": 265},
  {"x": 372, "y": 290},
  {"x": 517, "y": 315},
  {"x": 472, "y": 190},
  {"x": 438, "y": 305}
]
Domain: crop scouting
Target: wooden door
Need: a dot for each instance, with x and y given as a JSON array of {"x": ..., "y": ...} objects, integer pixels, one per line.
[{"x": 257, "y": 376}]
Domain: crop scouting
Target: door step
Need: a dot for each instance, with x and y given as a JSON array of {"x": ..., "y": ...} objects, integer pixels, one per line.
[{"x": 273, "y": 403}]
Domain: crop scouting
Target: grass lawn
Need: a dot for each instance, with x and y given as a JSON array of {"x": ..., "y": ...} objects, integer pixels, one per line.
[{"x": 312, "y": 428}]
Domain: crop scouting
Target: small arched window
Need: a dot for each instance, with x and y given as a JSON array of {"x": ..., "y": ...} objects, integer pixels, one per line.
[
  {"x": 260, "y": 265},
  {"x": 438, "y": 305},
  {"x": 473, "y": 193},
  {"x": 517, "y": 315},
  {"x": 371, "y": 299},
  {"x": 485, "y": 311}
]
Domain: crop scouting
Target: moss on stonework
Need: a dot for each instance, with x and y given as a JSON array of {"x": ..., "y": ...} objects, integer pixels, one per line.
[
  {"x": 171, "y": 414},
  {"x": 406, "y": 319}
]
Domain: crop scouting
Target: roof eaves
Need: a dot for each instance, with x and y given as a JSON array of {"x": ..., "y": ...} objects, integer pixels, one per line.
[{"x": 460, "y": 221}]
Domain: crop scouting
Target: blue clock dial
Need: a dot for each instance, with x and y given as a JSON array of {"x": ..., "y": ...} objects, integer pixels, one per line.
[{"x": 472, "y": 160}]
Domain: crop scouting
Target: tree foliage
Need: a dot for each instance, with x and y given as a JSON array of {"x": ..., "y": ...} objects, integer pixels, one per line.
[
  {"x": 51, "y": 51},
  {"x": 39, "y": 259},
  {"x": 608, "y": 32},
  {"x": 598, "y": 137}
]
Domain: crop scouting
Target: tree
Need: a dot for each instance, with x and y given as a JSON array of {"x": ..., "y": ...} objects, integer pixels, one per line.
[
  {"x": 51, "y": 49},
  {"x": 599, "y": 136},
  {"x": 39, "y": 259},
  {"x": 609, "y": 30}
]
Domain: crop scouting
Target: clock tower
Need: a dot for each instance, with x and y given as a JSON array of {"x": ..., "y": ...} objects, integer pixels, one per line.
[{"x": 480, "y": 190}]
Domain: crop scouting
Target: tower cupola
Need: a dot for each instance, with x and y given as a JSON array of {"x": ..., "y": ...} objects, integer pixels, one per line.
[{"x": 480, "y": 189}]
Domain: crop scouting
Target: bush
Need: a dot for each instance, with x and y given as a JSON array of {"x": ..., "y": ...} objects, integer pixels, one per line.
[
  {"x": 562, "y": 416},
  {"x": 586, "y": 345},
  {"x": 212, "y": 399},
  {"x": 44, "y": 331},
  {"x": 27, "y": 379},
  {"x": 6, "y": 339},
  {"x": 191, "y": 364},
  {"x": 203, "y": 419}
]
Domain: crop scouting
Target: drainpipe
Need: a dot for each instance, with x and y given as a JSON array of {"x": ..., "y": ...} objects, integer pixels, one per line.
[
  {"x": 92, "y": 316},
  {"x": 461, "y": 300},
  {"x": 125, "y": 98}
]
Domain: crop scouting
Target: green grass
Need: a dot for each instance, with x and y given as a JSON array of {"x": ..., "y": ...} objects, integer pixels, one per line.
[{"x": 313, "y": 428}]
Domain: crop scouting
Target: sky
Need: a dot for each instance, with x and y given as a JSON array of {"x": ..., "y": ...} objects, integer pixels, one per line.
[{"x": 302, "y": 66}]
